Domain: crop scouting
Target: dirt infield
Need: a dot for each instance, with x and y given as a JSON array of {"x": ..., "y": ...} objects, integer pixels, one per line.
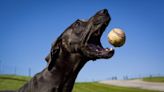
[{"x": 138, "y": 83}]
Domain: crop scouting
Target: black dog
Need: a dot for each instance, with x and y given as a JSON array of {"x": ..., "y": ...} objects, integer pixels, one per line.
[{"x": 78, "y": 44}]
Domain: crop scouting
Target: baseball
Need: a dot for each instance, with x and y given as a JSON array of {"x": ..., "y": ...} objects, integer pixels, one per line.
[{"x": 117, "y": 37}]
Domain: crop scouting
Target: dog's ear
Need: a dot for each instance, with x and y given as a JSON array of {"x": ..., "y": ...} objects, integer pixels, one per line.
[
  {"x": 52, "y": 58},
  {"x": 48, "y": 57},
  {"x": 54, "y": 53}
]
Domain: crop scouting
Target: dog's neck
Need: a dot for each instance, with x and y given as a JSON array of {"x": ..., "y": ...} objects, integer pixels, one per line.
[{"x": 64, "y": 79}]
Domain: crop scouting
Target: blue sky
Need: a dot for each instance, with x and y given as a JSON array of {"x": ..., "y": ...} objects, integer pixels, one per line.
[{"x": 28, "y": 27}]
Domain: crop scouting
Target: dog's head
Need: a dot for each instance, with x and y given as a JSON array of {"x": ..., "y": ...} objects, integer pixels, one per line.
[{"x": 83, "y": 37}]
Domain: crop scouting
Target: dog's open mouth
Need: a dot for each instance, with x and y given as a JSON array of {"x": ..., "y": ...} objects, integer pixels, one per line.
[
  {"x": 94, "y": 46},
  {"x": 97, "y": 25}
]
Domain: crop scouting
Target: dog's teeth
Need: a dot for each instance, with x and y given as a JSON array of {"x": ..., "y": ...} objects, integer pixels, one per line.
[{"x": 106, "y": 49}]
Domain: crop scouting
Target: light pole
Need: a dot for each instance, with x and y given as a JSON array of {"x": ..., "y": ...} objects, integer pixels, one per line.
[
  {"x": 29, "y": 72},
  {"x": 0, "y": 67},
  {"x": 15, "y": 70}
]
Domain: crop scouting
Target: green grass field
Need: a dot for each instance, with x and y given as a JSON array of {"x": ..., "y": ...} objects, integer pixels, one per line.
[
  {"x": 11, "y": 82},
  {"x": 154, "y": 79}
]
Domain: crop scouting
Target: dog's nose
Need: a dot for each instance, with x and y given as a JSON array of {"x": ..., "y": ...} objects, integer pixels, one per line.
[{"x": 104, "y": 11}]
